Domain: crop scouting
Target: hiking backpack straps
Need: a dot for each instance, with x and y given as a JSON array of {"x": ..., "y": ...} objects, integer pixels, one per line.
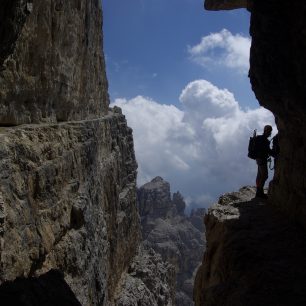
[{"x": 252, "y": 146}]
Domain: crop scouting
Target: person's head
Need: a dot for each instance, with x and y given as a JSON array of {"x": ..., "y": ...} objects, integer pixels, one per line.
[{"x": 267, "y": 130}]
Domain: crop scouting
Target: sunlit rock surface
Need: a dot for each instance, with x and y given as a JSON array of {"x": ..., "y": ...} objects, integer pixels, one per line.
[
  {"x": 254, "y": 255},
  {"x": 51, "y": 61},
  {"x": 172, "y": 234},
  {"x": 67, "y": 167}
]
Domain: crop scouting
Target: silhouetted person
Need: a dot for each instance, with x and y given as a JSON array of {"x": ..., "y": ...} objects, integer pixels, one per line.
[{"x": 263, "y": 152}]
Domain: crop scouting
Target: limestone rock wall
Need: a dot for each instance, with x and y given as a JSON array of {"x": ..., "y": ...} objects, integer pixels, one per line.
[
  {"x": 149, "y": 281},
  {"x": 68, "y": 203},
  {"x": 51, "y": 61},
  {"x": 69, "y": 223}
]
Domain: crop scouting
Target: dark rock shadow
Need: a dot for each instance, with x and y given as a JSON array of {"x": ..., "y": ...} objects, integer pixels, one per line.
[
  {"x": 49, "y": 289},
  {"x": 256, "y": 258}
]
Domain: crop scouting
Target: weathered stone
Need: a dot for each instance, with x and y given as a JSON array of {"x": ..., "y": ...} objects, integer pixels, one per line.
[
  {"x": 68, "y": 183},
  {"x": 69, "y": 203},
  {"x": 170, "y": 233},
  {"x": 51, "y": 61},
  {"x": 155, "y": 199},
  {"x": 254, "y": 256},
  {"x": 148, "y": 282}
]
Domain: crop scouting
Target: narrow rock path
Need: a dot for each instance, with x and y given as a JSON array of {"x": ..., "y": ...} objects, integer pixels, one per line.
[{"x": 256, "y": 255}]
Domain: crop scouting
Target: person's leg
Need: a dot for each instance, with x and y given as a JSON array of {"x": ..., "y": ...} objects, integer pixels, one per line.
[{"x": 262, "y": 175}]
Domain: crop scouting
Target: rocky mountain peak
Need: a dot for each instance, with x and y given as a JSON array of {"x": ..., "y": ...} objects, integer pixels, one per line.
[
  {"x": 167, "y": 230},
  {"x": 155, "y": 199}
]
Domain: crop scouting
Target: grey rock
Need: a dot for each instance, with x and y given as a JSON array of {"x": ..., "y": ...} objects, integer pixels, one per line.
[
  {"x": 170, "y": 233},
  {"x": 68, "y": 202},
  {"x": 148, "y": 282},
  {"x": 51, "y": 62},
  {"x": 68, "y": 169}
]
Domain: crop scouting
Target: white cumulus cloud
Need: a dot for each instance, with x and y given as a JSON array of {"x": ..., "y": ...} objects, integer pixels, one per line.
[
  {"x": 201, "y": 149},
  {"x": 222, "y": 48}
]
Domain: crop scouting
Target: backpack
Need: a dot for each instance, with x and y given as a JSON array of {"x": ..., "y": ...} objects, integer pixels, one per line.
[{"x": 252, "y": 147}]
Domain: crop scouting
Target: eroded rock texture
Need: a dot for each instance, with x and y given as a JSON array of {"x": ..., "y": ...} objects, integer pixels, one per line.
[
  {"x": 68, "y": 203},
  {"x": 51, "y": 63},
  {"x": 170, "y": 233},
  {"x": 68, "y": 174},
  {"x": 255, "y": 255},
  {"x": 148, "y": 282}
]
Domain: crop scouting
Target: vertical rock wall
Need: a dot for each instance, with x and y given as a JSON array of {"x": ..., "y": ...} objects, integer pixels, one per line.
[
  {"x": 68, "y": 203},
  {"x": 51, "y": 64},
  {"x": 278, "y": 75},
  {"x": 67, "y": 168}
]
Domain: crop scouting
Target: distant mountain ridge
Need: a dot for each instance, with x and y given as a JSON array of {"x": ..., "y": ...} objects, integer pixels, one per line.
[{"x": 179, "y": 239}]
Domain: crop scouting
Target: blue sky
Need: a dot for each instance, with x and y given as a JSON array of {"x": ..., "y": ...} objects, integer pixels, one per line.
[
  {"x": 146, "y": 41},
  {"x": 179, "y": 73}
]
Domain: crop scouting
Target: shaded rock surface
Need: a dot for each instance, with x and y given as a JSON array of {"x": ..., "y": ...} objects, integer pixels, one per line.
[
  {"x": 254, "y": 256},
  {"x": 149, "y": 281},
  {"x": 47, "y": 290},
  {"x": 170, "y": 233},
  {"x": 278, "y": 75}
]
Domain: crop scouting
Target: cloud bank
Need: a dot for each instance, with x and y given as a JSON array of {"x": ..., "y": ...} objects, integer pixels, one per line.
[
  {"x": 222, "y": 49},
  {"x": 201, "y": 149}
]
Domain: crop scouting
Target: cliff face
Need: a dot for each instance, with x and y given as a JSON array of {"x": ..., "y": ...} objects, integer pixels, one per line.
[
  {"x": 170, "y": 233},
  {"x": 51, "y": 64},
  {"x": 255, "y": 255},
  {"x": 69, "y": 223},
  {"x": 67, "y": 200}
]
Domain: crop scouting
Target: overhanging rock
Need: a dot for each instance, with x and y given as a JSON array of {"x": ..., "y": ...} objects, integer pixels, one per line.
[{"x": 215, "y": 5}]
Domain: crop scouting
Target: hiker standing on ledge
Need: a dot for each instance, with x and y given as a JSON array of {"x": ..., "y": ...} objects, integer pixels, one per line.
[{"x": 263, "y": 152}]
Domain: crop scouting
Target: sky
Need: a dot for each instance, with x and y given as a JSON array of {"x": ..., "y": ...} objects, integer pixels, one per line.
[{"x": 180, "y": 75}]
